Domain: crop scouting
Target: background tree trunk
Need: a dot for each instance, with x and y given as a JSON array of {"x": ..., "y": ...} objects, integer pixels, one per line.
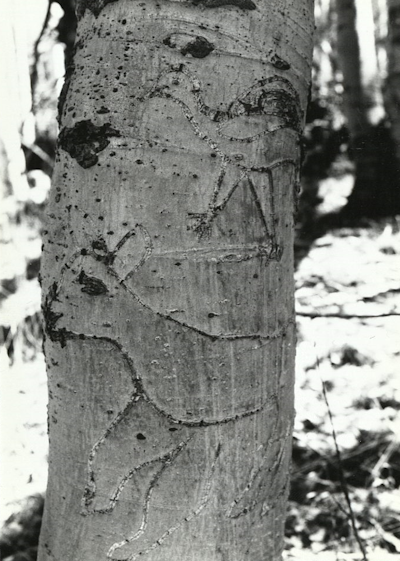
[
  {"x": 358, "y": 61},
  {"x": 376, "y": 183},
  {"x": 392, "y": 96},
  {"x": 168, "y": 281}
]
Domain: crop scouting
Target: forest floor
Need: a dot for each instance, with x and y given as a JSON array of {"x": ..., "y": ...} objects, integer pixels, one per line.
[{"x": 345, "y": 497}]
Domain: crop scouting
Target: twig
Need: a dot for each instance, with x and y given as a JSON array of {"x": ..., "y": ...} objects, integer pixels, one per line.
[
  {"x": 343, "y": 482},
  {"x": 383, "y": 459},
  {"x": 40, "y": 153},
  {"x": 387, "y": 536}
]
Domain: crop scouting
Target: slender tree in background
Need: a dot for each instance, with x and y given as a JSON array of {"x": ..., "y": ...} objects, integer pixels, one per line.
[
  {"x": 168, "y": 280},
  {"x": 358, "y": 61},
  {"x": 392, "y": 92},
  {"x": 376, "y": 185},
  {"x": 15, "y": 96}
]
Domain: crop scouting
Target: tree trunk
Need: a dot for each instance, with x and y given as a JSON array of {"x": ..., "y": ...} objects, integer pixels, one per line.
[
  {"x": 392, "y": 96},
  {"x": 358, "y": 61},
  {"x": 376, "y": 184},
  {"x": 168, "y": 281}
]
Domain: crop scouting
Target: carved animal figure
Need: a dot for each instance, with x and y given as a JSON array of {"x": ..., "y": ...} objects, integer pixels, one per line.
[{"x": 236, "y": 136}]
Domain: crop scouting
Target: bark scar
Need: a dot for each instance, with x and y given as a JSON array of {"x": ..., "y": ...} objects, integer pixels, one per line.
[{"x": 85, "y": 140}]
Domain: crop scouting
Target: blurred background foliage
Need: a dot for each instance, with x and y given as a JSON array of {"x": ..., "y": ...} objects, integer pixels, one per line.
[{"x": 345, "y": 495}]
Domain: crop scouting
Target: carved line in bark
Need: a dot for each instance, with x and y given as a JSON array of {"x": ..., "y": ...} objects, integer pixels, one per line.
[
  {"x": 146, "y": 254},
  {"x": 239, "y": 507},
  {"x": 168, "y": 459},
  {"x": 91, "y": 487},
  {"x": 202, "y": 504}
]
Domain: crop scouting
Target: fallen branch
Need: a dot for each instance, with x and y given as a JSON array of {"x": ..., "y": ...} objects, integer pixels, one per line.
[{"x": 345, "y": 316}]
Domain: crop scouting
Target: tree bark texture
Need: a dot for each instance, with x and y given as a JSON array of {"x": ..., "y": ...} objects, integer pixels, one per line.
[{"x": 168, "y": 281}]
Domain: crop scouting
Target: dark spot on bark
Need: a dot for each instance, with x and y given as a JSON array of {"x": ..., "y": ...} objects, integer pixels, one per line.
[
  {"x": 140, "y": 436},
  {"x": 95, "y": 6},
  {"x": 103, "y": 110},
  {"x": 278, "y": 103},
  {"x": 279, "y": 63},
  {"x": 199, "y": 48},
  {"x": 101, "y": 252},
  {"x": 84, "y": 140},
  {"x": 172, "y": 429},
  {"x": 282, "y": 104},
  {"x": 51, "y": 318},
  {"x": 167, "y": 41},
  {"x": 91, "y": 285},
  {"x": 242, "y": 4}
]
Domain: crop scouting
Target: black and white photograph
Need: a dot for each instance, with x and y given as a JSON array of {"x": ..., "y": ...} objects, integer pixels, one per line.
[{"x": 200, "y": 280}]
